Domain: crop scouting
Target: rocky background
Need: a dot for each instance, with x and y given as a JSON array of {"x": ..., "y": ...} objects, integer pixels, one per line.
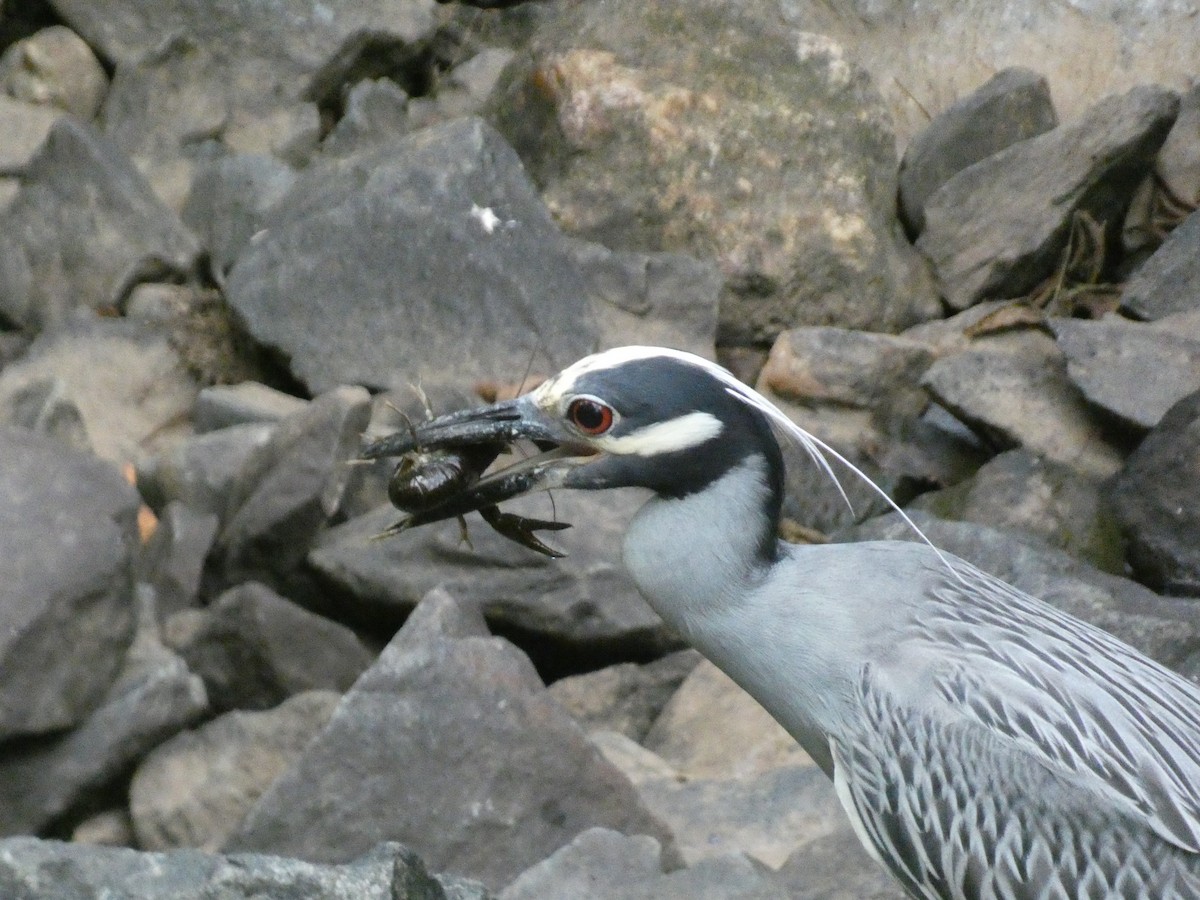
[{"x": 956, "y": 240}]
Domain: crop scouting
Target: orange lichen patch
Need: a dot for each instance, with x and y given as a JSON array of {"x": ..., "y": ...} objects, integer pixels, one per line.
[{"x": 147, "y": 521}]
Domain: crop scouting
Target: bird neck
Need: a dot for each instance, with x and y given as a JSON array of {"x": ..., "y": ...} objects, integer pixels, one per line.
[{"x": 697, "y": 556}]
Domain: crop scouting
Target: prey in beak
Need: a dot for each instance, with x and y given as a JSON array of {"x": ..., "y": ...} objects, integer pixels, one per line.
[{"x": 440, "y": 473}]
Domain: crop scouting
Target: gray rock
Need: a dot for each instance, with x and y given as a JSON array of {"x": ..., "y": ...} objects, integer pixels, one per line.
[
  {"x": 457, "y": 272},
  {"x": 1133, "y": 371},
  {"x": 83, "y": 230},
  {"x": 466, "y": 89},
  {"x": 161, "y": 304},
  {"x": 255, "y": 649},
  {"x": 66, "y": 527},
  {"x": 240, "y": 404},
  {"x": 376, "y": 111},
  {"x": 54, "y": 67},
  {"x": 172, "y": 561},
  {"x": 1011, "y": 106},
  {"x": 288, "y": 488},
  {"x": 642, "y": 136},
  {"x": 1156, "y": 500},
  {"x": 199, "y": 471},
  {"x": 1023, "y": 398},
  {"x": 1162, "y": 628},
  {"x": 836, "y": 867},
  {"x": 605, "y": 865},
  {"x": 110, "y": 828},
  {"x": 625, "y": 698},
  {"x": 584, "y": 605},
  {"x": 43, "y": 405},
  {"x": 24, "y": 127},
  {"x": 153, "y": 697},
  {"x": 448, "y": 742},
  {"x": 126, "y": 380},
  {"x": 1169, "y": 281},
  {"x": 999, "y": 227},
  {"x": 1178, "y": 163},
  {"x": 31, "y": 869},
  {"x": 194, "y": 790}
]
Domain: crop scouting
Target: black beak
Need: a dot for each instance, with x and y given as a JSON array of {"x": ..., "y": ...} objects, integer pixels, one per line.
[{"x": 500, "y": 424}]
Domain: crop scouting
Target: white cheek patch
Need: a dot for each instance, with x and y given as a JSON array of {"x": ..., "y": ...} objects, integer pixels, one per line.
[{"x": 681, "y": 433}]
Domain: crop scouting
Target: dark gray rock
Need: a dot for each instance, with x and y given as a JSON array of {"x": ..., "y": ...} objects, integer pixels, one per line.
[
  {"x": 445, "y": 265},
  {"x": 999, "y": 227},
  {"x": 643, "y": 137},
  {"x": 255, "y": 649},
  {"x": 229, "y": 200},
  {"x": 837, "y": 867},
  {"x": 25, "y": 127},
  {"x": 1157, "y": 499},
  {"x": 199, "y": 471},
  {"x": 66, "y": 527},
  {"x": 584, "y": 603},
  {"x": 1169, "y": 281},
  {"x": 83, "y": 230},
  {"x": 625, "y": 698},
  {"x": 127, "y": 382},
  {"x": 56, "y": 68},
  {"x": 448, "y": 742},
  {"x": 172, "y": 560},
  {"x": 605, "y": 865},
  {"x": 467, "y": 88},
  {"x": 154, "y": 697},
  {"x": 288, "y": 488},
  {"x": 1162, "y": 628},
  {"x": 1178, "y": 163},
  {"x": 31, "y": 869},
  {"x": 1135, "y": 372},
  {"x": 376, "y": 111},
  {"x": 240, "y": 404},
  {"x": 43, "y": 405},
  {"x": 194, "y": 790},
  {"x": 1012, "y": 106}
]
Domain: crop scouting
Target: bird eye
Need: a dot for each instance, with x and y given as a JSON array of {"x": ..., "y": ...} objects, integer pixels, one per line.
[{"x": 590, "y": 416}]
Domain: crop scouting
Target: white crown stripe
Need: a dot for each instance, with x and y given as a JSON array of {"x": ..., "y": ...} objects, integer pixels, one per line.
[{"x": 677, "y": 434}]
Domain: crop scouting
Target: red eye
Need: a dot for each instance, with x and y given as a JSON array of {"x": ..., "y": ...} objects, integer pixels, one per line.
[{"x": 590, "y": 416}]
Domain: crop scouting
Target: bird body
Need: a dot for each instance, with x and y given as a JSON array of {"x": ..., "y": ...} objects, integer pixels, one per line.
[{"x": 983, "y": 743}]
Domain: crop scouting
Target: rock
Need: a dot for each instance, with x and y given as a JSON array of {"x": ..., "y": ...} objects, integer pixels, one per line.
[
  {"x": 255, "y": 649},
  {"x": 494, "y": 775},
  {"x": 584, "y": 608},
  {"x": 466, "y": 89},
  {"x": 837, "y": 867},
  {"x": 153, "y": 697},
  {"x": 1019, "y": 490},
  {"x": 1135, "y": 372},
  {"x": 625, "y": 698},
  {"x": 1156, "y": 501},
  {"x": 376, "y": 111},
  {"x": 83, "y": 230},
  {"x": 221, "y": 406},
  {"x": 54, "y": 67},
  {"x": 172, "y": 561},
  {"x": 229, "y": 200},
  {"x": 605, "y": 865},
  {"x": 25, "y": 127},
  {"x": 66, "y": 527},
  {"x": 1011, "y": 106},
  {"x": 30, "y": 867},
  {"x": 199, "y": 471},
  {"x": 194, "y": 790},
  {"x": 1162, "y": 628},
  {"x": 454, "y": 258},
  {"x": 111, "y": 828},
  {"x": 637, "y": 763},
  {"x": 642, "y": 136},
  {"x": 999, "y": 227},
  {"x": 42, "y": 405},
  {"x": 287, "y": 489},
  {"x": 126, "y": 380},
  {"x": 1023, "y": 398},
  {"x": 1178, "y": 162},
  {"x": 747, "y": 741},
  {"x": 1169, "y": 281},
  {"x": 161, "y": 304}
]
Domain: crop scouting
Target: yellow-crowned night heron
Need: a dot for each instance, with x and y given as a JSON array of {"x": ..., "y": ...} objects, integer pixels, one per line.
[{"x": 982, "y": 743}]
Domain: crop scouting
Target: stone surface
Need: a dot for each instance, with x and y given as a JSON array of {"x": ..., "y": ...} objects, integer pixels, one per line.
[
  {"x": 199, "y": 471},
  {"x": 1178, "y": 162},
  {"x": 66, "y": 526},
  {"x": 625, "y": 698},
  {"x": 172, "y": 560},
  {"x": 494, "y": 775},
  {"x": 255, "y": 649},
  {"x": 1169, "y": 281},
  {"x": 194, "y": 790},
  {"x": 1011, "y": 106},
  {"x": 24, "y": 127},
  {"x": 1156, "y": 500},
  {"x": 43, "y": 405},
  {"x": 643, "y": 136},
  {"x": 83, "y": 230},
  {"x": 54, "y": 67},
  {"x": 29, "y": 868},
  {"x": 126, "y": 380},
  {"x": 1133, "y": 371},
  {"x": 376, "y": 110},
  {"x": 836, "y": 867},
  {"x": 999, "y": 227},
  {"x": 241, "y": 404}
]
